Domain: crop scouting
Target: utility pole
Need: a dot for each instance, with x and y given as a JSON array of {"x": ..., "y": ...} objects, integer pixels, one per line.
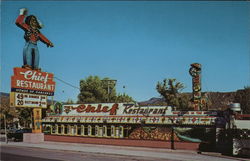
[
  {"x": 5, "y": 128},
  {"x": 172, "y": 134},
  {"x": 110, "y": 82},
  {"x": 123, "y": 93}
]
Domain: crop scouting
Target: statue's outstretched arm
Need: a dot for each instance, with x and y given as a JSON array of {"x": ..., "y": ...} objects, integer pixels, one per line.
[{"x": 45, "y": 40}]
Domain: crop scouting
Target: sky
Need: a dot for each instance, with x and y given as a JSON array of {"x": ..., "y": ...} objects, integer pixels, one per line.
[{"x": 137, "y": 43}]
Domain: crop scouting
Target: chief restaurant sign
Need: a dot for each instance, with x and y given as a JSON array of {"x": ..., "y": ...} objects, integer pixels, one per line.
[
  {"x": 108, "y": 109},
  {"x": 32, "y": 81}
]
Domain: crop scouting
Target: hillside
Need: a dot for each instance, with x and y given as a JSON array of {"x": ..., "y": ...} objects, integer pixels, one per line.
[
  {"x": 218, "y": 100},
  {"x": 221, "y": 100}
]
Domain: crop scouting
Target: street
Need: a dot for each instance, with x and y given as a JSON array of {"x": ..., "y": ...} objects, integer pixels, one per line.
[
  {"x": 55, "y": 151},
  {"x": 38, "y": 154}
]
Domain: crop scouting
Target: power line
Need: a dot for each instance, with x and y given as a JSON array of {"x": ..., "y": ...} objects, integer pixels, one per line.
[
  {"x": 67, "y": 83},
  {"x": 64, "y": 81}
]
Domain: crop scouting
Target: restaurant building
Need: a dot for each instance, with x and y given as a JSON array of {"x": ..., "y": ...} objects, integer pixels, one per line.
[{"x": 125, "y": 120}]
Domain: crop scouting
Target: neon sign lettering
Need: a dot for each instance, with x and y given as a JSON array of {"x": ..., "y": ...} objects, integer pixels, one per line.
[
  {"x": 33, "y": 75},
  {"x": 93, "y": 109}
]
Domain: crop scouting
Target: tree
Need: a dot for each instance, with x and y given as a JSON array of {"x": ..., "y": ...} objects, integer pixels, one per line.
[
  {"x": 25, "y": 116},
  {"x": 170, "y": 90},
  {"x": 70, "y": 101},
  {"x": 5, "y": 109},
  {"x": 96, "y": 90},
  {"x": 92, "y": 90},
  {"x": 243, "y": 97},
  {"x": 124, "y": 98},
  {"x": 184, "y": 102}
]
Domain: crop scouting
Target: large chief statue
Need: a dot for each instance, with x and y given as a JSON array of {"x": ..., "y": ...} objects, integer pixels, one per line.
[{"x": 31, "y": 26}]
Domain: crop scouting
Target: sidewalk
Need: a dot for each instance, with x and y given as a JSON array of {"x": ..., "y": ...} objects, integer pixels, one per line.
[{"x": 92, "y": 148}]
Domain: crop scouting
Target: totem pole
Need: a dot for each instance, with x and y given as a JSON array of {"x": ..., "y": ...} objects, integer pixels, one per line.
[
  {"x": 31, "y": 26},
  {"x": 195, "y": 72}
]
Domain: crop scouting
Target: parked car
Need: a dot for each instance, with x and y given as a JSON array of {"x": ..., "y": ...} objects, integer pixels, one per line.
[
  {"x": 18, "y": 134},
  {"x": 2, "y": 131},
  {"x": 11, "y": 130}
]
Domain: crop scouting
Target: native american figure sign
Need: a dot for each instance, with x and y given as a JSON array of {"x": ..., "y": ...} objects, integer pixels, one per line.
[{"x": 31, "y": 26}]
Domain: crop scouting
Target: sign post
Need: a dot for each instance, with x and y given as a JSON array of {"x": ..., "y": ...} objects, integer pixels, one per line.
[
  {"x": 30, "y": 89},
  {"x": 29, "y": 85},
  {"x": 37, "y": 113}
]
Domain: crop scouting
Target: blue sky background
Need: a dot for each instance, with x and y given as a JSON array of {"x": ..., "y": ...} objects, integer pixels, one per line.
[{"x": 137, "y": 43}]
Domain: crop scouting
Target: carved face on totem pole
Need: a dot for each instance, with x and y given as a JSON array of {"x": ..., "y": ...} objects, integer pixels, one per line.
[{"x": 195, "y": 69}]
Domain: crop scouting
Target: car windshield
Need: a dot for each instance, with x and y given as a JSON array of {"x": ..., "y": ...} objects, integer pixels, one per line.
[
  {"x": 19, "y": 131},
  {"x": 23, "y": 131}
]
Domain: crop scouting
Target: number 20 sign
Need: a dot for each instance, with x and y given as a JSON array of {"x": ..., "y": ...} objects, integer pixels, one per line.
[{"x": 28, "y": 100}]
